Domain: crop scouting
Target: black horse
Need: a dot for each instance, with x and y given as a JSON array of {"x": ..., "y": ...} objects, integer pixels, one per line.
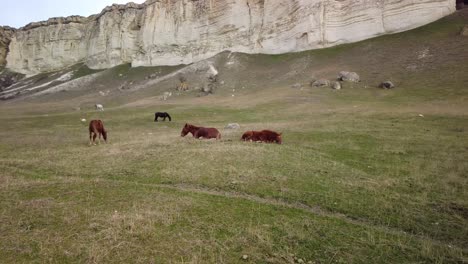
[{"x": 162, "y": 115}]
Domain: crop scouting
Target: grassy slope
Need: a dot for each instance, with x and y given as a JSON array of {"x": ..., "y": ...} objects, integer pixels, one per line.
[{"x": 361, "y": 177}]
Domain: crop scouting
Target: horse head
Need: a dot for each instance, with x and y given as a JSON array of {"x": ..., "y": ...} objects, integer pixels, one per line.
[
  {"x": 279, "y": 140},
  {"x": 104, "y": 135},
  {"x": 185, "y": 130}
]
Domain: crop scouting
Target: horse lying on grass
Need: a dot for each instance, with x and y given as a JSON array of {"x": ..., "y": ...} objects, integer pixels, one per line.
[
  {"x": 96, "y": 127},
  {"x": 266, "y": 136},
  {"x": 200, "y": 132}
]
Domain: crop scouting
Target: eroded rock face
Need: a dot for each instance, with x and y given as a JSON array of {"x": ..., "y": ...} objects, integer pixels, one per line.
[
  {"x": 6, "y": 33},
  {"x": 175, "y": 32}
]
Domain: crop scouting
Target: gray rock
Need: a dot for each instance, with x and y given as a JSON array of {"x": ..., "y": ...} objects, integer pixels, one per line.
[
  {"x": 348, "y": 76},
  {"x": 336, "y": 85},
  {"x": 232, "y": 126},
  {"x": 321, "y": 82},
  {"x": 464, "y": 31},
  {"x": 387, "y": 85},
  {"x": 296, "y": 86}
]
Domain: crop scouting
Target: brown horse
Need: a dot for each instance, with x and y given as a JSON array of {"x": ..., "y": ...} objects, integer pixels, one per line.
[
  {"x": 200, "y": 132},
  {"x": 96, "y": 127},
  {"x": 267, "y": 136}
]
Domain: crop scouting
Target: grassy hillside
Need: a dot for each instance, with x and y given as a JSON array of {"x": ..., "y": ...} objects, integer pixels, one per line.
[{"x": 364, "y": 175}]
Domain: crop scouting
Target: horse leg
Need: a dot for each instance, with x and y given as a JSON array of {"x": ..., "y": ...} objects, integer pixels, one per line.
[
  {"x": 90, "y": 137},
  {"x": 94, "y": 138}
]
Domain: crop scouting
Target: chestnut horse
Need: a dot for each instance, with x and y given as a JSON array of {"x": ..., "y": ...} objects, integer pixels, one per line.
[
  {"x": 267, "y": 136},
  {"x": 96, "y": 127},
  {"x": 200, "y": 132}
]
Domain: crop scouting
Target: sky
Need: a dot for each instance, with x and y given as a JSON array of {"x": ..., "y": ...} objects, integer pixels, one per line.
[{"x": 18, "y": 13}]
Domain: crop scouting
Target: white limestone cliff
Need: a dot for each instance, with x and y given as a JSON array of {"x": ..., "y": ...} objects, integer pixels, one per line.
[{"x": 171, "y": 32}]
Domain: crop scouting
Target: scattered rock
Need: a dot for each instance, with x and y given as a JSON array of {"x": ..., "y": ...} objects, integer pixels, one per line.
[
  {"x": 348, "y": 76},
  {"x": 464, "y": 31},
  {"x": 421, "y": 115},
  {"x": 296, "y": 86},
  {"x": 104, "y": 93},
  {"x": 212, "y": 84},
  {"x": 425, "y": 53},
  {"x": 245, "y": 257},
  {"x": 232, "y": 126},
  {"x": 387, "y": 85},
  {"x": 320, "y": 83},
  {"x": 212, "y": 71},
  {"x": 183, "y": 85},
  {"x": 123, "y": 87},
  {"x": 83, "y": 120},
  {"x": 336, "y": 85}
]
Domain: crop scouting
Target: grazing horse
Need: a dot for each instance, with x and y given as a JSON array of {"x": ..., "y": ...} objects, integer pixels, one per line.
[
  {"x": 267, "y": 136},
  {"x": 96, "y": 127},
  {"x": 162, "y": 115},
  {"x": 200, "y": 132},
  {"x": 99, "y": 107}
]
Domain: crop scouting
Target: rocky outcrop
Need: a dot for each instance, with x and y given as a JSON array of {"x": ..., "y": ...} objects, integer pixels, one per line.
[
  {"x": 172, "y": 32},
  {"x": 6, "y": 33}
]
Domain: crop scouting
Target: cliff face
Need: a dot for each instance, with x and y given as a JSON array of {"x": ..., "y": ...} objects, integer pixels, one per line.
[
  {"x": 170, "y": 32},
  {"x": 6, "y": 33}
]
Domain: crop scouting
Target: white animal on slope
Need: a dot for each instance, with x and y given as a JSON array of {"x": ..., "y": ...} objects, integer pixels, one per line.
[
  {"x": 166, "y": 95},
  {"x": 99, "y": 107}
]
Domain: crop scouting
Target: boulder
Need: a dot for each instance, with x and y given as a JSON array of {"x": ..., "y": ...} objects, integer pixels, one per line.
[
  {"x": 320, "y": 83},
  {"x": 387, "y": 85},
  {"x": 464, "y": 31},
  {"x": 336, "y": 85},
  {"x": 348, "y": 76},
  {"x": 296, "y": 86}
]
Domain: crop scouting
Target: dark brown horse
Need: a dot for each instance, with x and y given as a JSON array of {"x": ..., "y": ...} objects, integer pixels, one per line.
[
  {"x": 163, "y": 115},
  {"x": 96, "y": 127},
  {"x": 267, "y": 136},
  {"x": 200, "y": 132}
]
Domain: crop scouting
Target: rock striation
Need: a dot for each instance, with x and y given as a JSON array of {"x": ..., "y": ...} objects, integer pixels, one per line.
[{"x": 171, "y": 32}]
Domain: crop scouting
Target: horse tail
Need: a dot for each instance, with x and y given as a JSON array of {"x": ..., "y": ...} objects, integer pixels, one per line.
[{"x": 169, "y": 116}]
